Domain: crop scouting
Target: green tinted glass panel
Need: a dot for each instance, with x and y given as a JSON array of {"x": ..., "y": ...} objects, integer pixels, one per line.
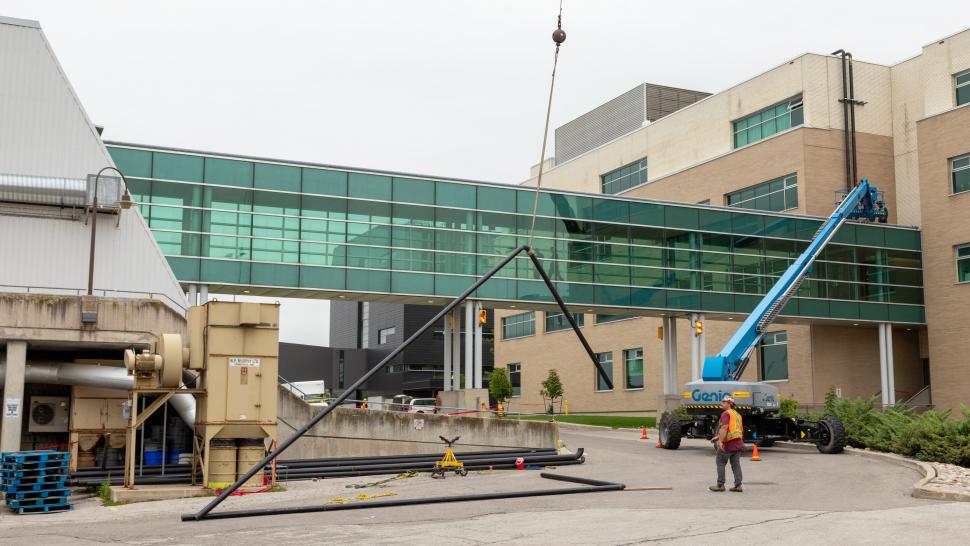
[
  {"x": 961, "y": 175},
  {"x": 228, "y": 172},
  {"x": 369, "y": 186},
  {"x": 324, "y": 182},
  {"x": 633, "y": 365},
  {"x": 277, "y": 177},
  {"x": 410, "y": 190},
  {"x": 451, "y": 194},
  {"x": 606, "y": 362},
  {"x": 177, "y": 167},
  {"x": 132, "y": 162}
]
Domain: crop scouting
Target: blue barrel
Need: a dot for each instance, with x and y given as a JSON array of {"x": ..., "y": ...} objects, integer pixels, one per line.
[
  {"x": 153, "y": 457},
  {"x": 173, "y": 456}
]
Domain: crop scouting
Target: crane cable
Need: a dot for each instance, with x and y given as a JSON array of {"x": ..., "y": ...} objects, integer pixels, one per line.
[{"x": 558, "y": 36}]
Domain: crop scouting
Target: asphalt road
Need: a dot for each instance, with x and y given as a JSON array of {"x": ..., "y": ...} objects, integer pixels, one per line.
[{"x": 791, "y": 496}]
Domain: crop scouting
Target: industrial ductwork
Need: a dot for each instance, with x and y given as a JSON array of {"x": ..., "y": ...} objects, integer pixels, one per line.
[
  {"x": 87, "y": 375},
  {"x": 60, "y": 192}
]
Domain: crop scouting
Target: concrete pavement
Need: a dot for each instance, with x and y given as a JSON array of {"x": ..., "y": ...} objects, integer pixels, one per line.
[{"x": 790, "y": 497}]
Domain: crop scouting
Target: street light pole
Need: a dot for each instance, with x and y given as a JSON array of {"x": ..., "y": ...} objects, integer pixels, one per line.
[{"x": 125, "y": 204}]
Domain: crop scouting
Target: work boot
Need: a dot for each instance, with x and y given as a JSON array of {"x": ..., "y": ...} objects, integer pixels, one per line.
[
  {"x": 716, "y": 488},
  {"x": 737, "y": 489}
]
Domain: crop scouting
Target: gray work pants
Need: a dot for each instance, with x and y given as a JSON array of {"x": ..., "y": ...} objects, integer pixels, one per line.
[{"x": 722, "y": 458}]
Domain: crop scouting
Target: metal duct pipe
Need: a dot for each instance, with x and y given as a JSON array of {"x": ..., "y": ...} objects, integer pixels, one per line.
[
  {"x": 43, "y": 190},
  {"x": 88, "y": 375}
]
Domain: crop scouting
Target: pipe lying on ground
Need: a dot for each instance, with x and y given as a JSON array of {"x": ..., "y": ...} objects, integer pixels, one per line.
[
  {"x": 594, "y": 486},
  {"x": 391, "y": 458},
  {"x": 300, "y": 463},
  {"x": 283, "y": 476}
]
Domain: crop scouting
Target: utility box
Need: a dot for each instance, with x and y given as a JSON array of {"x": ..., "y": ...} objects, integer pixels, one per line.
[{"x": 235, "y": 346}]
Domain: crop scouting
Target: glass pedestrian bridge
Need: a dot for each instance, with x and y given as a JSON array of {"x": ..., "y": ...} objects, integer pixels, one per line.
[{"x": 291, "y": 229}]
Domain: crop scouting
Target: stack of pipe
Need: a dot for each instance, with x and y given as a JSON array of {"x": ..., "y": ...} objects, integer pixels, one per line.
[{"x": 302, "y": 469}]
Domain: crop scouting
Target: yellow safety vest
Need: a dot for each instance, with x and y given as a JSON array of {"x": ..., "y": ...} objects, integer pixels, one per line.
[{"x": 735, "y": 429}]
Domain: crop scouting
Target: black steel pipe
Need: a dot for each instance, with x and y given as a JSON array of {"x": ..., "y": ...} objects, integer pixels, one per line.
[
  {"x": 852, "y": 103},
  {"x": 420, "y": 467},
  {"x": 308, "y": 463},
  {"x": 306, "y": 475},
  {"x": 845, "y": 119},
  {"x": 356, "y": 385},
  {"x": 383, "y": 363},
  {"x": 569, "y": 317},
  {"x": 607, "y": 486}
]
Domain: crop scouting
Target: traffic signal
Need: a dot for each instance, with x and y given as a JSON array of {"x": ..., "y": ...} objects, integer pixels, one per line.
[
  {"x": 660, "y": 332},
  {"x": 698, "y": 327},
  {"x": 482, "y": 316}
]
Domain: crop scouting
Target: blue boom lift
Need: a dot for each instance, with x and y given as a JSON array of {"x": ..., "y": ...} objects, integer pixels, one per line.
[{"x": 758, "y": 402}]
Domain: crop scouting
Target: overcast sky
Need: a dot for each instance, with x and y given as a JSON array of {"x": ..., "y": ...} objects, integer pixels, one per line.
[{"x": 448, "y": 88}]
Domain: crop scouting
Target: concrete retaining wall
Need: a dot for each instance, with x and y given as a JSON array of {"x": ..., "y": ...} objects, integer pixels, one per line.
[{"x": 349, "y": 432}]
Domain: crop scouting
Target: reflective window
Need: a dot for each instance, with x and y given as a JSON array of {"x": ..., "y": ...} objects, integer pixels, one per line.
[
  {"x": 960, "y": 171},
  {"x": 763, "y": 124},
  {"x": 557, "y": 321},
  {"x": 625, "y": 177},
  {"x": 633, "y": 359},
  {"x": 963, "y": 88},
  {"x": 963, "y": 263},
  {"x": 773, "y": 351},
  {"x": 515, "y": 378},
  {"x": 606, "y": 361},
  {"x": 521, "y": 325},
  {"x": 384, "y": 335},
  {"x": 775, "y": 195}
]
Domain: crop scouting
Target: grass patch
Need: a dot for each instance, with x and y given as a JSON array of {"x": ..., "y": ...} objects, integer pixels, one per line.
[
  {"x": 103, "y": 492},
  {"x": 612, "y": 421}
]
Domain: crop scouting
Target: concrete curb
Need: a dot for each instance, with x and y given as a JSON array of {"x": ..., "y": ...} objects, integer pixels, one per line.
[{"x": 920, "y": 489}]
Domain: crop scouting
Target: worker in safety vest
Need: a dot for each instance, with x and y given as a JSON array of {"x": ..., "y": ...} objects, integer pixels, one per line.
[{"x": 729, "y": 443}]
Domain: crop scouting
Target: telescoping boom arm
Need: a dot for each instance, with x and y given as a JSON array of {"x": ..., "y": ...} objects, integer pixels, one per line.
[{"x": 729, "y": 363}]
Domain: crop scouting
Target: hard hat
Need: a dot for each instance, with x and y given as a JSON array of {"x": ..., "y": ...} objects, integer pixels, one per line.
[{"x": 727, "y": 399}]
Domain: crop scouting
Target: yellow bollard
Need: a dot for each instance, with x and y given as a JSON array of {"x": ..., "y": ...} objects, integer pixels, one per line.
[{"x": 566, "y": 408}]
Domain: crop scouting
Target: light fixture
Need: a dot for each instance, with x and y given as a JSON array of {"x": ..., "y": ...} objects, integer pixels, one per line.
[
  {"x": 855, "y": 323},
  {"x": 512, "y": 306},
  {"x": 245, "y": 291},
  {"x": 126, "y": 201}
]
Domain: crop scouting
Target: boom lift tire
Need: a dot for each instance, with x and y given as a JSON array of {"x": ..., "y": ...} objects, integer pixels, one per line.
[
  {"x": 669, "y": 431},
  {"x": 831, "y": 435}
]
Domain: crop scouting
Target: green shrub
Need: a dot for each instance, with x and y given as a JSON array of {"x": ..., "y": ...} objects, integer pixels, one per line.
[
  {"x": 928, "y": 436},
  {"x": 789, "y": 407}
]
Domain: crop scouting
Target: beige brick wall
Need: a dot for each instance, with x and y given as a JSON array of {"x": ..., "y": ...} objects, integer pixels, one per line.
[{"x": 945, "y": 225}]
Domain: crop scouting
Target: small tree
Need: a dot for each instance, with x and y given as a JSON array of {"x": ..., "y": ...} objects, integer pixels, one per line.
[
  {"x": 552, "y": 388},
  {"x": 500, "y": 387}
]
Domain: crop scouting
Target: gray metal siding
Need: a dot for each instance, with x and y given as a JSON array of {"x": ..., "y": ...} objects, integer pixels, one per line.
[{"x": 344, "y": 323}]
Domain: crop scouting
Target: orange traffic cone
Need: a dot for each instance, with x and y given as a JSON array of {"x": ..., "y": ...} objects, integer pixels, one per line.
[
  {"x": 659, "y": 445},
  {"x": 643, "y": 433},
  {"x": 754, "y": 454}
]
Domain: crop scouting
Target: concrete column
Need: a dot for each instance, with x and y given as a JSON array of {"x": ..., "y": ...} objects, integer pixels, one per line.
[
  {"x": 13, "y": 396},
  {"x": 193, "y": 295},
  {"x": 673, "y": 354},
  {"x": 666, "y": 345},
  {"x": 447, "y": 356},
  {"x": 456, "y": 350},
  {"x": 701, "y": 349},
  {"x": 478, "y": 346},
  {"x": 695, "y": 349},
  {"x": 886, "y": 367},
  {"x": 203, "y": 293},
  {"x": 469, "y": 344}
]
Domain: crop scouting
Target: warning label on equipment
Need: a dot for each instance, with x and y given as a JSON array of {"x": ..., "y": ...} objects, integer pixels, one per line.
[
  {"x": 244, "y": 362},
  {"x": 11, "y": 407}
]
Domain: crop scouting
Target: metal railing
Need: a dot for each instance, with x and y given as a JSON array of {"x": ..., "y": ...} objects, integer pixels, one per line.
[{"x": 22, "y": 289}]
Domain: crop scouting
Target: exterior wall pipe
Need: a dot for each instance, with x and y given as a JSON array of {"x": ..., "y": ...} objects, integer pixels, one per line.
[
  {"x": 447, "y": 335},
  {"x": 87, "y": 375},
  {"x": 469, "y": 345},
  {"x": 455, "y": 350},
  {"x": 478, "y": 345}
]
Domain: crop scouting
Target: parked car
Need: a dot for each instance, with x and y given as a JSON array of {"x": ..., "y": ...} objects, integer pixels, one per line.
[
  {"x": 423, "y": 405},
  {"x": 400, "y": 402}
]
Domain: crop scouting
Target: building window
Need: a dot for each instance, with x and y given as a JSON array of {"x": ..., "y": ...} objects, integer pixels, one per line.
[
  {"x": 521, "y": 325},
  {"x": 774, "y": 195},
  {"x": 603, "y": 319},
  {"x": 385, "y": 335},
  {"x": 963, "y": 88},
  {"x": 763, "y": 124},
  {"x": 960, "y": 170},
  {"x": 365, "y": 325},
  {"x": 625, "y": 177},
  {"x": 774, "y": 356},
  {"x": 606, "y": 361},
  {"x": 963, "y": 263},
  {"x": 634, "y": 368},
  {"x": 557, "y": 321},
  {"x": 515, "y": 378}
]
